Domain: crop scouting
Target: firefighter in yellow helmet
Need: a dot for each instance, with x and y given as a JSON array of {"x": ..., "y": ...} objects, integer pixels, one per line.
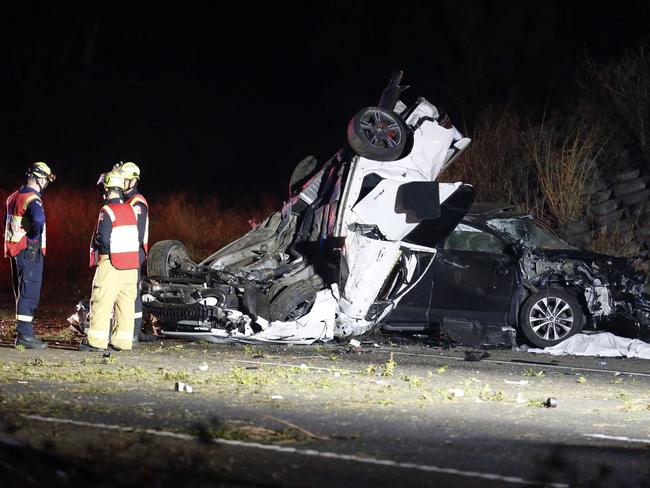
[
  {"x": 114, "y": 250},
  {"x": 25, "y": 244},
  {"x": 131, "y": 173}
]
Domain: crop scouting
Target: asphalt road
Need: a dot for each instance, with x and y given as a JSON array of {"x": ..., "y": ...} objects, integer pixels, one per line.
[{"x": 402, "y": 414}]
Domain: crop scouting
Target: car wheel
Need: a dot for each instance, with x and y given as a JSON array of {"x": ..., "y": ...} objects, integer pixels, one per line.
[
  {"x": 378, "y": 134},
  {"x": 550, "y": 316},
  {"x": 165, "y": 257},
  {"x": 293, "y": 302}
]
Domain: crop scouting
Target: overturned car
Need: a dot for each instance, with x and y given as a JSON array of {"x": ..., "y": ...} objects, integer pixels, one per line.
[{"x": 356, "y": 234}]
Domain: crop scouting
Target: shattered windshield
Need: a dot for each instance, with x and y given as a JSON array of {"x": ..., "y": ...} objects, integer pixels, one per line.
[{"x": 530, "y": 232}]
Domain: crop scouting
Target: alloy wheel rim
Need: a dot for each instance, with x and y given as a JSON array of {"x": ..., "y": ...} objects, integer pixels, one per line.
[
  {"x": 551, "y": 318},
  {"x": 380, "y": 129}
]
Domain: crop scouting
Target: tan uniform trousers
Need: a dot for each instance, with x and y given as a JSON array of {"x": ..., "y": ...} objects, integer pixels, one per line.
[{"x": 117, "y": 288}]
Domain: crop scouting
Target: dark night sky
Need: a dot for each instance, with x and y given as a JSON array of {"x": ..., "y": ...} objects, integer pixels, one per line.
[{"x": 233, "y": 101}]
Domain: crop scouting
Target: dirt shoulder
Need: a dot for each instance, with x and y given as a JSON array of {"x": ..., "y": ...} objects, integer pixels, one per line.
[{"x": 405, "y": 402}]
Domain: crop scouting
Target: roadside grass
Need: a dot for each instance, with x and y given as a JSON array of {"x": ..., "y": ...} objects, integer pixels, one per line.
[{"x": 533, "y": 373}]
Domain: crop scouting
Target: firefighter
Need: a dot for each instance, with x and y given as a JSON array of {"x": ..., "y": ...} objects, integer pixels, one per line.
[
  {"x": 131, "y": 173},
  {"x": 114, "y": 250},
  {"x": 25, "y": 244}
]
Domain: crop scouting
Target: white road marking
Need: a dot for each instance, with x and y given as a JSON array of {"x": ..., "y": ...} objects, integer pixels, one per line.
[
  {"x": 617, "y": 438},
  {"x": 306, "y": 452}
]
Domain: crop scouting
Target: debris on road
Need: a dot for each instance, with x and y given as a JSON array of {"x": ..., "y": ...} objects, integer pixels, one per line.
[
  {"x": 550, "y": 402},
  {"x": 457, "y": 393},
  {"x": 183, "y": 387},
  {"x": 355, "y": 343},
  {"x": 202, "y": 367},
  {"x": 521, "y": 382},
  {"x": 476, "y": 355},
  {"x": 277, "y": 397}
]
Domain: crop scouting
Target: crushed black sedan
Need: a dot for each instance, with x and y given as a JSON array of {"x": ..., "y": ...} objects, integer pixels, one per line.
[{"x": 502, "y": 273}]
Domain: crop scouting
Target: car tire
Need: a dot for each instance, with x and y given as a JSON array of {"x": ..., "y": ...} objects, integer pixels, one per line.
[
  {"x": 293, "y": 302},
  {"x": 166, "y": 256},
  {"x": 378, "y": 134},
  {"x": 551, "y": 316}
]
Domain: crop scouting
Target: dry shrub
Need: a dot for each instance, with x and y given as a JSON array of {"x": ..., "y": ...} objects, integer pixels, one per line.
[
  {"x": 496, "y": 163},
  {"x": 622, "y": 89},
  {"x": 563, "y": 160},
  {"x": 621, "y": 242},
  {"x": 616, "y": 242},
  {"x": 203, "y": 223}
]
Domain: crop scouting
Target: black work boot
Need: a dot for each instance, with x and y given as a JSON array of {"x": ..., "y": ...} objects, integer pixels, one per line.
[{"x": 30, "y": 342}]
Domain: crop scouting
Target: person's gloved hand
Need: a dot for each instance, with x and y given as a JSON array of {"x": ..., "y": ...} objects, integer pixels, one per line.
[{"x": 33, "y": 248}]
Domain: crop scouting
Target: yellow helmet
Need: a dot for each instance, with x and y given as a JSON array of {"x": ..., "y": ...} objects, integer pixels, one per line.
[
  {"x": 128, "y": 170},
  {"x": 112, "y": 180},
  {"x": 40, "y": 170}
]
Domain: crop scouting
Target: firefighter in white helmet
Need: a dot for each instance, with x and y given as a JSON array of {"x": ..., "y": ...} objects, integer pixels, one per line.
[
  {"x": 114, "y": 250},
  {"x": 131, "y": 173}
]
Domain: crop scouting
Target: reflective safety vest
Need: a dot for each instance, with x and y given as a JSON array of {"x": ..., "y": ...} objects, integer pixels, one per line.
[
  {"x": 17, "y": 223},
  {"x": 133, "y": 201},
  {"x": 124, "y": 246}
]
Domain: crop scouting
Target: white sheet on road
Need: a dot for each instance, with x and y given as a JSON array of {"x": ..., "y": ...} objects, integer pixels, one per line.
[{"x": 604, "y": 344}]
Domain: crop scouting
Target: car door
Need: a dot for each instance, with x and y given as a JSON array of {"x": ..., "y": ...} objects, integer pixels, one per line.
[
  {"x": 413, "y": 310},
  {"x": 473, "y": 277}
]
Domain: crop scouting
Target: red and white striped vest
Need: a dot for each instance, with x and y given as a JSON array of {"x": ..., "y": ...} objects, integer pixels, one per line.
[
  {"x": 133, "y": 201},
  {"x": 124, "y": 245},
  {"x": 16, "y": 225}
]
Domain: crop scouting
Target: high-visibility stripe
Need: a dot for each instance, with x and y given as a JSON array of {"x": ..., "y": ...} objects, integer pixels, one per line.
[
  {"x": 133, "y": 201},
  {"x": 145, "y": 240},
  {"x": 98, "y": 335},
  {"x": 123, "y": 335},
  {"x": 124, "y": 238},
  {"x": 138, "y": 199},
  {"x": 14, "y": 231},
  {"x": 137, "y": 315},
  {"x": 24, "y": 318},
  {"x": 29, "y": 200},
  {"x": 110, "y": 212}
]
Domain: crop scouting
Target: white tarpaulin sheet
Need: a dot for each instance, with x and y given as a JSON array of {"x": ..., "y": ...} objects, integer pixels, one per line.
[{"x": 605, "y": 344}]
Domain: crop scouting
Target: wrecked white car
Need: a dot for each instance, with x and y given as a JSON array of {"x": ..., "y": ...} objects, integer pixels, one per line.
[{"x": 337, "y": 258}]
